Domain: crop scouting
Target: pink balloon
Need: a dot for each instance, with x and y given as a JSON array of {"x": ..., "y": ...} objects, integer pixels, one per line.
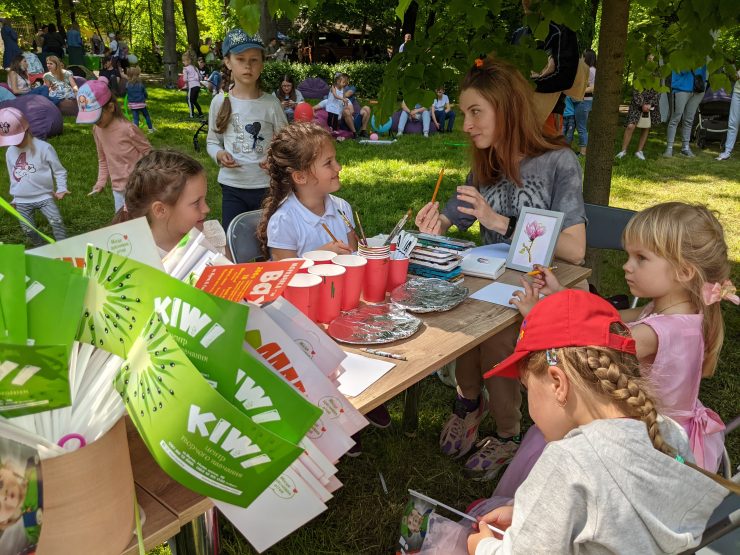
[
  {"x": 373, "y": 136},
  {"x": 303, "y": 112}
]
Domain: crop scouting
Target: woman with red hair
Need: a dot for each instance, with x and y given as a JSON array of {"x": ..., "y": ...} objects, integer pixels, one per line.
[{"x": 514, "y": 164}]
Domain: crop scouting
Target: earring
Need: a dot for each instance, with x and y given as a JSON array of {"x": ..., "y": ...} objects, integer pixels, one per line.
[{"x": 562, "y": 403}]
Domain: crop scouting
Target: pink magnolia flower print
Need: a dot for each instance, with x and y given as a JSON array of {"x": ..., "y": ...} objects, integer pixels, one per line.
[{"x": 533, "y": 230}]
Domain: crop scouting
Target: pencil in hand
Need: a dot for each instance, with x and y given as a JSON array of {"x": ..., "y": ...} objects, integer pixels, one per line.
[
  {"x": 538, "y": 272},
  {"x": 439, "y": 182},
  {"x": 326, "y": 228}
]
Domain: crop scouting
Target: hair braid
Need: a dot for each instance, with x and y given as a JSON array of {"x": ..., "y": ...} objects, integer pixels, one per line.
[
  {"x": 224, "y": 114},
  {"x": 294, "y": 148}
]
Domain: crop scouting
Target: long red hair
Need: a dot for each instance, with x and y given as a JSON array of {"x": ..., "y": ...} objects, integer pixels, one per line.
[{"x": 518, "y": 131}]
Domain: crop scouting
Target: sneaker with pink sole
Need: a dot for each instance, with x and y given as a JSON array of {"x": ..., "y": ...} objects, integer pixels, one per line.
[
  {"x": 461, "y": 429},
  {"x": 492, "y": 455}
]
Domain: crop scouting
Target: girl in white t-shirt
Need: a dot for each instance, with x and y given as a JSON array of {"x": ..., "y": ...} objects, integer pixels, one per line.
[
  {"x": 442, "y": 112},
  {"x": 336, "y": 102},
  {"x": 303, "y": 170}
]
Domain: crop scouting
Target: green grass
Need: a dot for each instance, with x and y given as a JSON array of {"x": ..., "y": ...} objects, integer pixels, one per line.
[{"x": 382, "y": 182}]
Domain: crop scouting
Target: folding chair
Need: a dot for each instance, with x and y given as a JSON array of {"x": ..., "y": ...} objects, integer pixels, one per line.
[
  {"x": 241, "y": 237},
  {"x": 605, "y": 226}
]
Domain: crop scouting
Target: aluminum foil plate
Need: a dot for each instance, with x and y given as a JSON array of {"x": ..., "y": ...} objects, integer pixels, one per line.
[
  {"x": 373, "y": 325},
  {"x": 420, "y": 294}
]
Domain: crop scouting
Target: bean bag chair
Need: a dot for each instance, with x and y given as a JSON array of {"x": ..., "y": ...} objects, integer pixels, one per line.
[
  {"x": 313, "y": 88},
  {"x": 81, "y": 71},
  {"x": 5, "y": 93},
  {"x": 44, "y": 118},
  {"x": 320, "y": 117},
  {"x": 412, "y": 127}
]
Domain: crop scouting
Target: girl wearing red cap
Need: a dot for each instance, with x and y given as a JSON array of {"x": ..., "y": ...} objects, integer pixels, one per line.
[{"x": 607, "y": 479}]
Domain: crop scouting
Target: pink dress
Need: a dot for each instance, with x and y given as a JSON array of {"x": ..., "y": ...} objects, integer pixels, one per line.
[{"x": 675, "y": 376}]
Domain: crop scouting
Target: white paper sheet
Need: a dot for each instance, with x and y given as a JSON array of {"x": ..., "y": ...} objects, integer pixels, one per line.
[
  {"x": 361, "y": 372},
  {"x": 497, "y": 293},
  {"x": 280, "y": 510}
]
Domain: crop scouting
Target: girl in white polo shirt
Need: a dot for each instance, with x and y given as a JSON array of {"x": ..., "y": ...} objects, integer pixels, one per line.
[{"x": 303, "y": 169}]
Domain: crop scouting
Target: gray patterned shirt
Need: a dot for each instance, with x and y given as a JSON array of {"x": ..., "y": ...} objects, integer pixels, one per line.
[{"x": 551, "y": 181}]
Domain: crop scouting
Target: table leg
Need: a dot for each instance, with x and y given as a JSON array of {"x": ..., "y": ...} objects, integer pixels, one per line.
[
  {"x": 410, "y": 422},
  {"x": 198, "y": 537}
]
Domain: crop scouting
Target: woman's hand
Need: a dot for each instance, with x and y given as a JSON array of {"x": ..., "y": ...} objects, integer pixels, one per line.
[
  {"x": 546, "y": 281},
  {"x": 480, "y": 209},
  {"x": 338, "y": 247},
  {"x": 525, "y": 300},
  {"x": 428, "y": 220},
  {"x": 226, "y": 160}
]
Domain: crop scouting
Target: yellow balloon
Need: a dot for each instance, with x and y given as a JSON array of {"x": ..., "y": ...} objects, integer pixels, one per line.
[{"x": 204, "y": 49}]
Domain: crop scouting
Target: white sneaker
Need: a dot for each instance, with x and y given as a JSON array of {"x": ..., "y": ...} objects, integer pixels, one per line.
[
  {"x": 723, "y": 156},
  {"x": 621, "y": 154},
  {"x": 640, "y": 155},
  {"x": 668, "y": 153},
  {"x": 152, "y": 130},
  {"x": 687, "y": 152},
  {"x": 426, "y": 135}
]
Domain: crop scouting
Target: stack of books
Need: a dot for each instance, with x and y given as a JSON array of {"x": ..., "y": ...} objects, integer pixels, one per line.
[{"x": 438, "y": 256}]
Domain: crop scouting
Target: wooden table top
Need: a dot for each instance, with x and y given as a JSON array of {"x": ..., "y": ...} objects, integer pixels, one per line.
[
  {"x": 446, "y": 335},
  {"x": 160, "y": 524}
]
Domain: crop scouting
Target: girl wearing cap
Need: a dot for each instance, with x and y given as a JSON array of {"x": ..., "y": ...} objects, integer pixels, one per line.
[
  {"x": 241, "y": 123},
  {"x": 120, "y": 144},
  {"x": 514, "y": 165},
  {"x": 607, "y": 480},
  {"x": 33, "y": 168}
]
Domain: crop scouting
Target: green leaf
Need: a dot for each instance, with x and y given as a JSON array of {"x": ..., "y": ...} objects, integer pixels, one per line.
[{"x": 401, "y": 8}]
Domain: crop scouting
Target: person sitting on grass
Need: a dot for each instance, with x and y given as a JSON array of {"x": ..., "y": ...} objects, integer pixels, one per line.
[
  {"x": 419, "y": 113},
  {"x": 19, "y": 81},
  {"x": 61, "y": 82},
  {"x": 288, "y": 96},
  {"x": 442, "y": 111}
]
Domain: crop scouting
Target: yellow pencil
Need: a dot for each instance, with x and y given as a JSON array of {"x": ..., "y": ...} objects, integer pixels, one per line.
[
  {"x": 439, "y": 182},
  {"x": 326, "y": 228},
  {"x": 536, "y": 272}
]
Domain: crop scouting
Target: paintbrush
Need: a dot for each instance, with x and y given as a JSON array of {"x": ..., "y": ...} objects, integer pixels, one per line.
[
  {"x": 439, "y": 182},
  {"x": 398, "y": 228},
  {"x": 362, "y": 231},
  {"x": 348, "y": 223}
]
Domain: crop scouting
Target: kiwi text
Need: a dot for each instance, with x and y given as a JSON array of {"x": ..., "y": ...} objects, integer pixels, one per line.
[{"x": 176, "y": 313}]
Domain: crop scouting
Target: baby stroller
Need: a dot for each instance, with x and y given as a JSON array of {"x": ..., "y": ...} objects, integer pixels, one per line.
[{"x": 710, "y": 124}]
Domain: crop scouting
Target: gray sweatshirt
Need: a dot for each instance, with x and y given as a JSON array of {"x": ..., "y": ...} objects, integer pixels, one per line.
[
  {"x": 32, "y": 171},
  {"x": 605, "y": 489}
]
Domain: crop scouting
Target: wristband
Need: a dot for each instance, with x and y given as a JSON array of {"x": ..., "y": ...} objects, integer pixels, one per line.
[{"x": 510, "y": 228}]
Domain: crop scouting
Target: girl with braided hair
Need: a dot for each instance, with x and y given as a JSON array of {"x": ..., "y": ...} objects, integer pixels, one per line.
[
  {"x": 615, "y": 476},
  {"x": 168, "y": 188},
  {"x": 303, "y": 170},
  {"x": 678, "y": 258},
  {"x": 241, "y": 122}
]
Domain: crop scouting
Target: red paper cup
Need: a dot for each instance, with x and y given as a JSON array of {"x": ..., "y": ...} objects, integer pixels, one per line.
[
  {"x": 330, "y": 290},
  {"x": 398, "y": 270},
  {"x": 355, "y": 266},
  {"x": 319, "y": 257},
  {"x": 303, "y": 293},
  {"x": 376, "y": 278},
  {"x": 306, "y": 263}
]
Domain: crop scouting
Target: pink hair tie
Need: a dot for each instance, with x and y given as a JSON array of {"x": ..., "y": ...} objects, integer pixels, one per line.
[{"x": 716, "y": 292}]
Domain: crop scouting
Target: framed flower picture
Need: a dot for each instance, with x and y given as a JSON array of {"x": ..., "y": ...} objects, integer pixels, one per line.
[{"x": 534, "y": 239}]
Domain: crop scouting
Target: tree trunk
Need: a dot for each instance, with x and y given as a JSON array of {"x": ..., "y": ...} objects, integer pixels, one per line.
[
  {"x": 190, "y": 15},
  {"x": 590, "y": 32},
  {"x": 608, "y": 95},
  {"x": 58, "y": 13},
  {"x": 72, "y": 14},
  {"x": 170, "y": 44},
  {"x": 268, "y": 25},
  {"x": 151, "y": 26}
]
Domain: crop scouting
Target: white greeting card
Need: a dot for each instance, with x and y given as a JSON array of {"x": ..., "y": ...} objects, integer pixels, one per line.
[{"x": 360, "y": 372}]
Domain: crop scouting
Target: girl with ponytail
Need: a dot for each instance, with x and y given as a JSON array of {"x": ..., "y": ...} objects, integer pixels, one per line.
[
  {"x": 678, "y": 258},
  {"x": 615, "y": 476},
  {"x": 241, "y": 122},
  {"x": 303, "y": 170}
]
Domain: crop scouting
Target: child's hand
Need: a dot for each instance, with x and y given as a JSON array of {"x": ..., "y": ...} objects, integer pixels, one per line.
[
  {"x": 338, "y": 247},
  {"x": 500, "y": 517},
  {"x": 546, "y": 281},
  {"x": 61, "y": 194},
  {"x": 95, "y": 190},
  {"x": 427, "y": 219},
  {"x": 226, "y": 160},
  {"x": 525, "y": 300}
]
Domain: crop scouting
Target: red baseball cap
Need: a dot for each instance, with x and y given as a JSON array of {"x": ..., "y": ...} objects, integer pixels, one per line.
[{"x": 569, "y": 318}]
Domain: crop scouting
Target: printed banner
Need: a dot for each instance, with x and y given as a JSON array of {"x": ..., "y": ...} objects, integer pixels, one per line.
[
  {"x": 123, "y": 293},
  {"x": 20, "y": 498},
  {"x": 33, "y": 379},
  {"x": 193, "y": 433},
  {"x": 256, "y": 282}
]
